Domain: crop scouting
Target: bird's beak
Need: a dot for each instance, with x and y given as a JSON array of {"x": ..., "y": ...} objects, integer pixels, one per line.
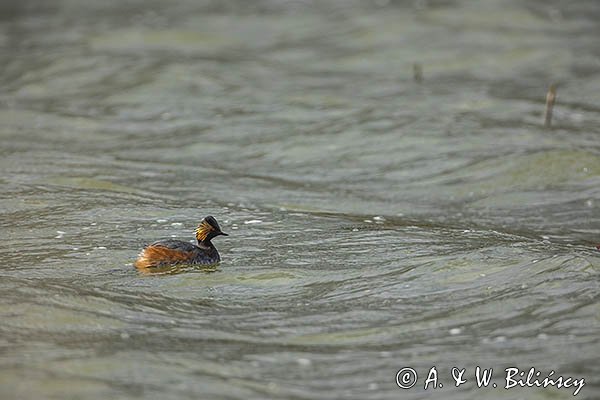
[{"x": 224, "y": 234}]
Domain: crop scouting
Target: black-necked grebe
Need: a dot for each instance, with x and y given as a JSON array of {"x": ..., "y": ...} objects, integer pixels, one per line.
[{"x": 176, "y": 252}]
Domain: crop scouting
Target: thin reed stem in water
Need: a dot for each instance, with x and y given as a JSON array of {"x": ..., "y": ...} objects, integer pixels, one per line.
[
  {"x": 550, "y": 99},
  {"x": 418, "y": 72}
]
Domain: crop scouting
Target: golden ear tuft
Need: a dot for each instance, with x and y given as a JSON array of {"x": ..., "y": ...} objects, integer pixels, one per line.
[{"x": 203, "y": 230}]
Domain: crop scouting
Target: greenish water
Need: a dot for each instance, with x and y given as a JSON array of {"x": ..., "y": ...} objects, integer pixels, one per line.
[{"x": 375, "y": 222}]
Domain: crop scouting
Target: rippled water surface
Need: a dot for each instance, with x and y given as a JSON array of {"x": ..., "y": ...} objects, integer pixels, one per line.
[{"x": 376, "y": 222}]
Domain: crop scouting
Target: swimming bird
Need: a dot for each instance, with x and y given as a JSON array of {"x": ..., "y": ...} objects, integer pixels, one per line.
[{"x": 172, "y": 252}]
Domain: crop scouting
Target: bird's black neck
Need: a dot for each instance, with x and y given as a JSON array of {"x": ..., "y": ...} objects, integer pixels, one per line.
[{"x": 206, "y": 243}]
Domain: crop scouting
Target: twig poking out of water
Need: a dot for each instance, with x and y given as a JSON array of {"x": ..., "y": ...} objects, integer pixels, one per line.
[
  {"x": 550, "y": 99},
  {"x": 418, "y": 72}
]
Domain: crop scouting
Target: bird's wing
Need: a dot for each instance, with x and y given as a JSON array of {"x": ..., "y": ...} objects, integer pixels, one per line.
[{"x": 174, "y": 245}]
